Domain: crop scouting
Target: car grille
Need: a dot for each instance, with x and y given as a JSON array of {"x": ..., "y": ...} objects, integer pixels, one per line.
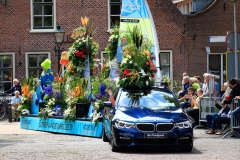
[
  {"x": 165, "y": 126},
  {"x": 155, "y": 141},
  {"x": 147, "y": 127}
]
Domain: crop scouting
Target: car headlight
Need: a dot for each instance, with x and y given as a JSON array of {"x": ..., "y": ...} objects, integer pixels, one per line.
[
  {"x": 121, "y": 124},
  {"x": 185, "y": 124}
]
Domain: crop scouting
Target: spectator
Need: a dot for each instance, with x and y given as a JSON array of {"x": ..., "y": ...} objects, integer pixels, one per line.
[
  {"x": 15, "y": 102},
  {"x": 220, "y": 120},
  {"x": 198, "y": 78},
  {"x": 236, "y": 112},
  {"x": 205, "y": 87},
  {"x": 183, "y": 75},
  {"x": 235, "y": 91},
  {"x": 216, "y": 89},
  {"x": 16, "y": 87},
  {"x": 186, "y": 85},
  {"x": 193, "y": 111},
  {"x": 211, "y": 119},
  {"x": 193, "y": 83},
  {"x": 187, "y": 98}
]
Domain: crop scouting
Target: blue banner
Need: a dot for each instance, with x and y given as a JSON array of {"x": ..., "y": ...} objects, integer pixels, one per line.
[{"x": 84, "y": 128}]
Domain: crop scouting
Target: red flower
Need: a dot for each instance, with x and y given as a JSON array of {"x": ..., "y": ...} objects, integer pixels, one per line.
[
  {"x": 95, "y": 56},
  {"x": 79, "y": 53},
  {"x": 147, "y": 63},
  {"x": 152, "y": 75},
  {"x": 125, "y": 72}
]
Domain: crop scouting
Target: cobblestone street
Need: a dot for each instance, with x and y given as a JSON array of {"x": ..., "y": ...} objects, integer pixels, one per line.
[{"x": 32, "y": 145}]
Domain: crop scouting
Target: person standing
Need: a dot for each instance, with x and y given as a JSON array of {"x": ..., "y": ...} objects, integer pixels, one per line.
[
  {"x": 15, "y": 101},
  {"x": 16, "y": 87}
]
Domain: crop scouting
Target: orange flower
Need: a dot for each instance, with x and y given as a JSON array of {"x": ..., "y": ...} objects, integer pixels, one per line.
[{"x": 147, "y": 63}]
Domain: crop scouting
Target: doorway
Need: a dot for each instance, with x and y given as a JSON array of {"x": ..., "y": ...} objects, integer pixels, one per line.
[{"x": 217, "y": 66}]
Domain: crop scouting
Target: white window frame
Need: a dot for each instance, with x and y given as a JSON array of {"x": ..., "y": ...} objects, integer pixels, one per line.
[
  {"x": 43, "y": 30},
  {"x": 170, "y": 60},
  {"x": 13, "y": 62},
  {"x": 109, "y": 17},
  {"x": 26, "y": 58}
]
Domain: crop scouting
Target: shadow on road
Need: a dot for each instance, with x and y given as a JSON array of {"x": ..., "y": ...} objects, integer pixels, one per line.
[{"x": 156, "y": 150}]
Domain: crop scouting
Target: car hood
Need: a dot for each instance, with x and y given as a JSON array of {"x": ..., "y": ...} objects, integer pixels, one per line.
[{"x": 149, "y": 115}]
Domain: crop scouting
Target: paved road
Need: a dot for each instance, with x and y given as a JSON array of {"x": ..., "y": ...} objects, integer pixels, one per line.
[{"x": 16, "y": 143}]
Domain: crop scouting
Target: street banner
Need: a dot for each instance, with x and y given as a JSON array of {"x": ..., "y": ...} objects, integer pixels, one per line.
[{"x": 85, "y": 128}]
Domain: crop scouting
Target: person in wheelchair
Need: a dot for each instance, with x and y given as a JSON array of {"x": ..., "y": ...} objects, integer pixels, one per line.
[{"x": 15, "y": 103}]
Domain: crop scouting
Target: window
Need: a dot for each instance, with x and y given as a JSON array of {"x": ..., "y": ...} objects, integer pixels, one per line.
[
  {"x": 6, "y": 71},
  {"x": 166, "y": 63},
  {"x": 114, "y": 13},
  {"x": 34, "y": 61},
  {"x": 43, "y": 15}
]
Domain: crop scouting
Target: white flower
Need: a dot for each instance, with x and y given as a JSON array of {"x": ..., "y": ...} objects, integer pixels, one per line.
[
  {"x": 129, "y": 57},
  {"x": 147, "y": 83},
  {"x": 51, "y": 113},
  {"x": 130, "y": 62},
  {"x": 25, "y": 111},
  {"x": 142, "y": 72}
]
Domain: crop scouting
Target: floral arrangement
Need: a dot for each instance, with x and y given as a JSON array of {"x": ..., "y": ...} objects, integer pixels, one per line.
[
  {"x": 137, "y": 68},
  {"x": 28, "y": 89},
  {"x": 54, "y": 100},
  {"x": 111, "y": 48},
  {"x": 82, "y": 50},
  {"x": 70, "y": 112}
]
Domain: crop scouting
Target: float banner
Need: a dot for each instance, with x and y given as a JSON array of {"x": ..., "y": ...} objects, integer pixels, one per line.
[{"x": 85, "y": 128}]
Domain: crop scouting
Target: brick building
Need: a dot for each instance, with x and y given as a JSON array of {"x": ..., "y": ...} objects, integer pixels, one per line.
[{"x": 27, "y": 38}]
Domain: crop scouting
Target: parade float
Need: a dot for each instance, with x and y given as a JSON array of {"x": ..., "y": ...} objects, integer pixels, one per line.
[{"x": 73, "y": 101}]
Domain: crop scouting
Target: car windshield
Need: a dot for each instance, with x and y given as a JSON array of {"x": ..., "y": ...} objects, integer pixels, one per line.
[{"x": 154, "y": 99}]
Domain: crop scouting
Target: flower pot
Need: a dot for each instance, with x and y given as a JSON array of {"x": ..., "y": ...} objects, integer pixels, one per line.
[{"x": 82, "y": 109}]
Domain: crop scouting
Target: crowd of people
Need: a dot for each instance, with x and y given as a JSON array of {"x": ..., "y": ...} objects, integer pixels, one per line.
[{"x": 193, "y": 90}]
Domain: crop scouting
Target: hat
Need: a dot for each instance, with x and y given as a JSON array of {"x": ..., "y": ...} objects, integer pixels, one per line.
[{"x": 46, "y": 64}]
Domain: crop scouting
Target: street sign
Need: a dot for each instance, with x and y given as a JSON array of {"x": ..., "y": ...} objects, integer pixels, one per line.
[
  {"x": 230, "y": 41},
  {"x": 217, "y": 39}
]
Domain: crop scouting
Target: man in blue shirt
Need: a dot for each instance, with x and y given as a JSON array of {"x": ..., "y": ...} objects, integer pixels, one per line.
[{"x": 15, "y": 102}]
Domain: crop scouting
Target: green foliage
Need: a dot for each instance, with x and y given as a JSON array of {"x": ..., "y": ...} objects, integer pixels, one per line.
[{"x": 111, "y": 48}]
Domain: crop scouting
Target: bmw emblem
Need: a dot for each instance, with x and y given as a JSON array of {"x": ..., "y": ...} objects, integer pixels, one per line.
[{"x": 155, "y": 120}]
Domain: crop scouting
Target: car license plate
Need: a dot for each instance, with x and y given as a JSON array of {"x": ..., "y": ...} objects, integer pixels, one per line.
[{"x": 155, "y": 135}]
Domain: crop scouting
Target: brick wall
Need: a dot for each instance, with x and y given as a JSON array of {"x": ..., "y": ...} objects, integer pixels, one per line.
[{"x": 15, "y": 27}]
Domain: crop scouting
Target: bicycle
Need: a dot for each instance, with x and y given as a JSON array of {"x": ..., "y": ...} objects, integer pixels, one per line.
[{"x": 3, "y": 105}]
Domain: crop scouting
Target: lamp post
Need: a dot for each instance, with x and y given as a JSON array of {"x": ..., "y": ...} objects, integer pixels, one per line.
[
  {"x": 235, "y": 38},
  {"x": 59, "y": 35}
]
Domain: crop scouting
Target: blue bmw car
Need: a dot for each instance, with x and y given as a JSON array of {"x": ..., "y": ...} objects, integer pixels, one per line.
[{"x": 154, "y": 118}]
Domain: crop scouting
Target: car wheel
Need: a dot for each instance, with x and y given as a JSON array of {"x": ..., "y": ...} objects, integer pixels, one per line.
[
  {"x": 104, "y": 136},
  {"x": 112, "y": 141},
  {"x": 186, "y": 148}
]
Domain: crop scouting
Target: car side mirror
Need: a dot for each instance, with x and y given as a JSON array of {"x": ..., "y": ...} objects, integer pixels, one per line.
[{"x": 108, "y": 104}]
